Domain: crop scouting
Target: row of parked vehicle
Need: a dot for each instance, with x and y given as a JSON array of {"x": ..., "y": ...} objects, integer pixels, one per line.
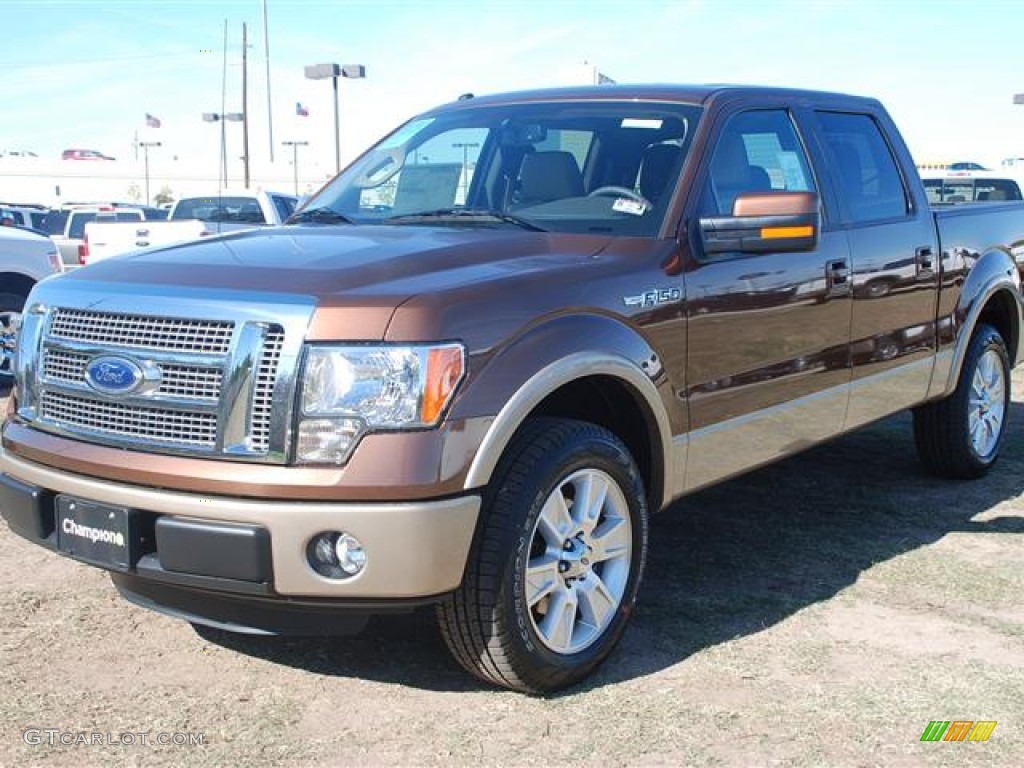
[
  {"x": 37, "y": 242},
  {"x": 87, "y": 232}
]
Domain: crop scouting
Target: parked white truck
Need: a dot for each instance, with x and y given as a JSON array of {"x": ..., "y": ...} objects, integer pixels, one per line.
[
  {"x": 66, "y": 227},
  {"x": 190, "y": 219},
  {"x": 25, "y": 259},
  {"x": 104, "y": 239}
]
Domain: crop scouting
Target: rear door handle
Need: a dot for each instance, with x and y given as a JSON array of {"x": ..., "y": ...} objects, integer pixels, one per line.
[
  {"x": 837, "y": 277},
  {"x": 924, "y": 258}
]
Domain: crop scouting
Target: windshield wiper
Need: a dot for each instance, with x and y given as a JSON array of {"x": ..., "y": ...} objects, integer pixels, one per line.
[
  {"x": 318, "y": 216},
  {"x": 464, "y": 213}
]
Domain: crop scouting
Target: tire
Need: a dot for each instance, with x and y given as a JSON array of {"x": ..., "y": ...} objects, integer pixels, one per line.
[
  {"x": 530, "y": 564},
  {"x": 959, "y": 437},
  {"x": 11, "y": 305}
]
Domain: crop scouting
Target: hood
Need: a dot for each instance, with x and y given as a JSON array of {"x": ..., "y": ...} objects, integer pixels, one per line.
[
  {"x": 353, "y": 277},
  {"x": 332, "y": 263}
]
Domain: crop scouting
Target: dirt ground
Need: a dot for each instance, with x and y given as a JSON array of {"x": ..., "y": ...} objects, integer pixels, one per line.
[{"x": 816, "y": 613}]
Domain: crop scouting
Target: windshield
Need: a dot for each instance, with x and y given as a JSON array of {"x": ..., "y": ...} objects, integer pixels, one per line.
[{"x": 588, "y": 167}]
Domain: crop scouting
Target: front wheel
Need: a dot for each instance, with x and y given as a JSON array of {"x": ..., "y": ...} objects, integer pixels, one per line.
[
  {"x": 554, "y": 574},
  {"x": 959, "y": 437}
]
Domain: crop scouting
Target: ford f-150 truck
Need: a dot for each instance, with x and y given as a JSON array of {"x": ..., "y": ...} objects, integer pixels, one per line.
[{"x": 470, "y": 367}]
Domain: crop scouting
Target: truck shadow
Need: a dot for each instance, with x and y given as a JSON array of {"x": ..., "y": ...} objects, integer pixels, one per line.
[{"x": 725, "y": 563}]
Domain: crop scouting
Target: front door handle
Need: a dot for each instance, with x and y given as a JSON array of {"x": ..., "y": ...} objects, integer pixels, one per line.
[
  {"x": 924, "y": 258},
  {"x": 837, "y": 277}
]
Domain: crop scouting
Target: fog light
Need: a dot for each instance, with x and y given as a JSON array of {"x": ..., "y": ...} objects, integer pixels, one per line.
[{"x": 336, "y": 555}]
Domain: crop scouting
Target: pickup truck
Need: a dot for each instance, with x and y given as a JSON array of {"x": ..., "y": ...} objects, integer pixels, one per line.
[
  {"x": 951, "y": 187},
  {"x": 231, "y": 211},
  {"x": 66, "y": 227},
  {"x": 25, "y": 259},
  {"x": 191, "y": 218},
  {"x": 109, "y": 238},
  {"x": 470, "y": 386}
]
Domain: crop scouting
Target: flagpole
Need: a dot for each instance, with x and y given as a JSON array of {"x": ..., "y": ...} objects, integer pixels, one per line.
[{"x": 266, "y": 54}]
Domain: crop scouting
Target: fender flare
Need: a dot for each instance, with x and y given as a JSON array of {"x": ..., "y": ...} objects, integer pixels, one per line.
[
  {"x": 563, "y": 368},
  {"x": 994, "y": 272}
]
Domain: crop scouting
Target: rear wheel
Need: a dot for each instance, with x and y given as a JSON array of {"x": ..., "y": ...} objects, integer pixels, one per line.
[
  {"x": 11, "y": 305},
  {"x": 553, "y": 576},
  {"x": 960, "y": 436}
]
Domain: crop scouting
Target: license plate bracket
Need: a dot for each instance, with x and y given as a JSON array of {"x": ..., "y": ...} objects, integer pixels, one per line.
[{"x": 96, "y": 533}]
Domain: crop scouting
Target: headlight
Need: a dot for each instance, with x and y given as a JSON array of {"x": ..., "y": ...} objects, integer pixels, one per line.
[{"x": 348, "y": 391}]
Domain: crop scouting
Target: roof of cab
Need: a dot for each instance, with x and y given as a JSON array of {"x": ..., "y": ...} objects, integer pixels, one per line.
[{"x": 690, "y": 94}]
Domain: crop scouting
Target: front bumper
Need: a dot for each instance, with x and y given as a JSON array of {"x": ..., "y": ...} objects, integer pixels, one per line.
[{"x": 415, "y": 550}]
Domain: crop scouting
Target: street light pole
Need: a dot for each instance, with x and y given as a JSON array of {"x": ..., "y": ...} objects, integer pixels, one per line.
[
  {"x": 295, "y": 160},
  {"x": 333, "y": 72},
  {"x": 465, "y": 146},
  {"x": 222, "y": 118},
  {"x": 145, "y": 154}
]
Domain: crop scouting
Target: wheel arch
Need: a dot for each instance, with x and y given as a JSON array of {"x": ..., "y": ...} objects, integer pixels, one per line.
[
  {"x": 16, "y": 283},
  {"x": 990, "y": 295},
  {"x": 603, "y": 385}
]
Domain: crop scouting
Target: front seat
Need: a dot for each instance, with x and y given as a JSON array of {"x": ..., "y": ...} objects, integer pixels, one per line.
[
  {"x": 732, "y": 173},
  {"x": 547, "y": 176},
  {"x": 656, "y": 168}
]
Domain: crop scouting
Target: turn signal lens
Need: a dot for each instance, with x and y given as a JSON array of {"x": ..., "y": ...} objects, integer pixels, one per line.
[{"x": 444, "y": 372}]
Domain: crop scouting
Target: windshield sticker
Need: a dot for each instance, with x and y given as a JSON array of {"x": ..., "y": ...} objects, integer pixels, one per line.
[
  {"x": 406, "y": 132},
  {"x": 640, "y": 122},
  {"x": 626, "y": 205}
]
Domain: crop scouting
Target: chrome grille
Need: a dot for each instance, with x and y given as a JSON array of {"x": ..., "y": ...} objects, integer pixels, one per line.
[
  {"x": 193, "y": 382},
  {"x": 64, "y": 366},
  {"x": 263, "y": 395},
  {"x": 202, "y": 336},
  {"x": 188, "y": 381},
  {"x": 129, "y": 421}
]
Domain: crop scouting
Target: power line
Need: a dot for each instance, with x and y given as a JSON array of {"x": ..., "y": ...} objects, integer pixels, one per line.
[{"x": 64, "y": 63}]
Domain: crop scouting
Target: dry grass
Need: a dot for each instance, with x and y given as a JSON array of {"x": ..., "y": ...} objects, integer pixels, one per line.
[{"x": 818, "y": 612}]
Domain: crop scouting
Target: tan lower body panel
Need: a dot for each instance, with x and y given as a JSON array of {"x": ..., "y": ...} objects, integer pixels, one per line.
[{"x": 413, "y": 549}]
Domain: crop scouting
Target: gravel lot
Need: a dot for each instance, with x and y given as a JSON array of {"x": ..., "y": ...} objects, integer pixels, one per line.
[{"x": 819, "y": 612}]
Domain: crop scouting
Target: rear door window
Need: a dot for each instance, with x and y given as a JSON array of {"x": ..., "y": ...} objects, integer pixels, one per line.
[{"x": 869, "y": 178}]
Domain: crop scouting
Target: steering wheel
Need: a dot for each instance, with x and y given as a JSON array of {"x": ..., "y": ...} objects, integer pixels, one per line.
[{"x": 621, "y": 192}]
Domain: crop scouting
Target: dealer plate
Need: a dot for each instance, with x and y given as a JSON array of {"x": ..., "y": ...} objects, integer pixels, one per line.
[{"x": 93, "y": 532}]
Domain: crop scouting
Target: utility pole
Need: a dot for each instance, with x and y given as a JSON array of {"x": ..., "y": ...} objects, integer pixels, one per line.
[
  {"x": 295, "y": 160},
  {"x": 223, "y": 109},
  {"x": 245, "y": 103}
]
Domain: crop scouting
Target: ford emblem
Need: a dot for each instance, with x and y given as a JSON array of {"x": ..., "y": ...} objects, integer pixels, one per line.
[{"x": 113, "y": 375}]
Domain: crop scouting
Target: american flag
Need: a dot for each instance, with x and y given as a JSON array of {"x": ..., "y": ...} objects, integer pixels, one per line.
[
  {"x": 301, "y": 110},
  {"x": 152, "y": 122}
]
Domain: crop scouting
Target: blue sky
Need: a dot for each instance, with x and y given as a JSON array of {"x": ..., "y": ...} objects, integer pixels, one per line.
[{"x": 83, "y": 73}]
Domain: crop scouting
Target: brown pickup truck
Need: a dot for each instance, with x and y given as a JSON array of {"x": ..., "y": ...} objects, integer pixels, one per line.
[{"x": 467, "y": 371}]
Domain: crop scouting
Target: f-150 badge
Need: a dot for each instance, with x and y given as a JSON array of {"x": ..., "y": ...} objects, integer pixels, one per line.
[{"x": 653, "y": 297}]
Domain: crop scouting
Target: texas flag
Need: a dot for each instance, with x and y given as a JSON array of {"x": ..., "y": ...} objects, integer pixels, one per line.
[
  {"x": 300, "y": 110},
  {"x": 152, "y": 122}
]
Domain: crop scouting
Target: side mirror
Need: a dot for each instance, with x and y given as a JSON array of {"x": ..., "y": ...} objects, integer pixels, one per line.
[{"x": 764, "y": 222}]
